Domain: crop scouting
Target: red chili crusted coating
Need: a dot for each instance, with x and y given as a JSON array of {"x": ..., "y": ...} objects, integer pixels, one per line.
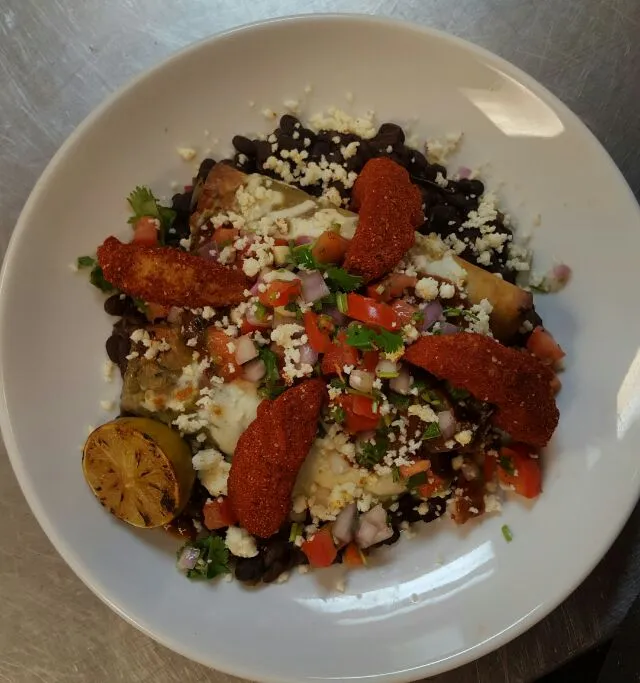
[
  {"x": 389, "y": 208},
  {"x": 170, "y": 277},
  {"x": 515, "y": 381},
  {"x": 269, "y": 456}
]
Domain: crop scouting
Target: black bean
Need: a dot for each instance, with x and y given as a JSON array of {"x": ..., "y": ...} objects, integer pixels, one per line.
[
  {"x": 244, "y": 145},
  {"x": 288, "y": 143},
  {"x": 263, "y": 152},
  {"x": 249, "y": 569},
  {"x": 118, "y": 348},
  {"x": 441, "y": 464},
  {"x": 468, "y": 186},
  {"x": 181, "y": 202},
  {"x": 418, "y": 161},
  {"x": 115, "y": 305},
  {"x": 244, "y": 163},
  {"x": 441, "y": 216},
  {"x": 389, "y": 134},
  {"x": 465, "y": 204},
  {"x": 320, "y": 148},
  {"x": 205, "y": 167},
  {"x": 288, "y": 124},
  {"x": 275, "y": 550}
]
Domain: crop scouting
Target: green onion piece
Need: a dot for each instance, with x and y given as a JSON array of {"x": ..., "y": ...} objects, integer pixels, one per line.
[
  {"x": 341, "y": 302},
  {"x": 506, "y": 532},
  {"x": 296, "y": 530}
]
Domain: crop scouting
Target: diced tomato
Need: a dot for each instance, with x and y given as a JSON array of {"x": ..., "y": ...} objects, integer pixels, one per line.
[
  {"x": 544, "y": 346},
  {"x": 415, "y": 467},
  {"x": 280, "y": 293},
  {"x": 359, "y": 413},
  {"x": 224, "y": 237},
  {"x": 370, "y": 360},
  {"x": 434, "y": 485},
  {"x": 518, "y": 469},
  {"x": 156, "y": 311},
  {"x": 279, "y": 242},
  {"x": 320, "y": 548},
  {"x": 370, "y": 312},
  {"x": 404, "y": 311},
  {"x": 353, "y": 556},
  {"x": 337, "y": 355},
  {"x": 247, "y": 328},
  {"x": 330, "y": 247},
  {"x": 318, "y": 340},
  {"x": 489, "y": 467},
  {"x": 224, "y": 359},
  {"x": 392, "y": 287},
  {"x": 218, "y": 514},
  {"x": 145, "y": 231}
]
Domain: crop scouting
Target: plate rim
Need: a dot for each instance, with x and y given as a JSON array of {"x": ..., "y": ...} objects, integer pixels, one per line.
[{"x": 70, "y": 556}]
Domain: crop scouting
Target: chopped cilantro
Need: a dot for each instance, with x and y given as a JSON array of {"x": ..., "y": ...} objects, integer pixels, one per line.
[
  {"x": 457, "y": 394},
  {"x": 337, "y": 383},
  {"x": 457, "y": 312},
  {"x": 337, "y": 414},
  {"x": 416, "y": 480},
  {"x": 362, "y": 337},
  {"x": 507, "y": 465},
  {"x": 395, "y": 474},
  {"x": 213, "y": 559},
  {"x": 143, "y": 203},
  {"x": 261, "y": 311},
  {"x": 293, "y": 307},
  {"x": 86, "y": 262},
  {"x": 418, "y": 317},
  {"x": 372, "y": 453},
  {"x": 338, "y": 278},
  {"x": 398, "y": 400},
  {"x": 506, "y": 532},
  {"x": 272, "y": 385},
  {"x": 431, "y": 397},
  {"x": 431, "y": 432},
  {"x": 302, "y": 256},
  {"x": 98, "y": 280},
  {"x": 140, "y": 305}
]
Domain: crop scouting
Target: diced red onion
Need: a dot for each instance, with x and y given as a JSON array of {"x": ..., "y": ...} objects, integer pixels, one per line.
[
  {"x": 208, "y": 251},
  {"x": 432, "y": 312},
  {"x": 402, "y": 383},
  {"x": 338, "y": 318},
  {"x": 255, "y": 370},
  {"x": 361, "y": 380},
  {"x": 561, "y": 273},
  {"x": 308, "y": 355},
  {"x": 373, "y": 527},
  {"x": 464, "y": 171},
  {"x": 343, "y": 527},
  {"x": 255, "y": 290},
  {"x": 175, "y": 314},
  {"x": 387, "y": 368},
  {"x": 304, "y": 239},
  {"x": 447, "y": 423},
  {"x": 188, "y": 558},
  {"x": 245, "y": 349},
  {"x": 470, "y": 470},
  {"x": 449, "y": 328},
  {"x": 313, "y": 286}
]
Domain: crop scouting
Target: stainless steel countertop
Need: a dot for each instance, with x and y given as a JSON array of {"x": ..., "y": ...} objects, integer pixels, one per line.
[{"x": 58, "y": 60}]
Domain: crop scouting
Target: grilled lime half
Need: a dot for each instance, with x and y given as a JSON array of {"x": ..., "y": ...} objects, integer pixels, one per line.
[{"x": 139, "y": 469}]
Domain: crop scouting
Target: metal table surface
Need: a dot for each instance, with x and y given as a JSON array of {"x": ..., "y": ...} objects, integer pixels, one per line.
[{"x": 58, "y": 60}]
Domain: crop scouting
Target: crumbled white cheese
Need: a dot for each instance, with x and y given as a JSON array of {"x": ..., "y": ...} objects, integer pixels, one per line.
[
  {"x": 186, "y": 153},
  {"x": 439, "y": 151},
  {"x": 447, "y": 290},
  {"x": 427, "y": 288},
  {"x": 336, "y": 119},
  {"x": 213, "y": 471},
  {"x": 240, "y": 542},
  {"x": 107, "y": 370},
  {"x": 464, "y": 437},
  {"x": 424, "y": 412}
]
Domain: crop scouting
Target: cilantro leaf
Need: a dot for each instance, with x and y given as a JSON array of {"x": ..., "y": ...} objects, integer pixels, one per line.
[
  {"x": 372, "y": 453},
  {"x": 389, "y": 342},
  {"x": 143, "y": 203},
  {"x": 302, "y": 256},
  {"x": 431, "y": 432},
  {"x": 272, "y": 385},
  {"x": 398, "y": 400},
  {"x": 98, "y": 280},
  {"x": 507, "y": 464},
  {"x": 416, "y": 480},
  {"x": 86, "y": 262},
  {"x": 338, "y": 278},
  {"x": 338, "y": 414},
  {"x": 213, "y": 559},
  {"x": 366, "y": 339},
  {"x": 337, "y": 383}
]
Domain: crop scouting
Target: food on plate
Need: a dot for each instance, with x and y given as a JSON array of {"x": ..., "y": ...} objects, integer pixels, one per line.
[
  {"x": 323, "y": 341},
  {"x": 139, "y": 469}
]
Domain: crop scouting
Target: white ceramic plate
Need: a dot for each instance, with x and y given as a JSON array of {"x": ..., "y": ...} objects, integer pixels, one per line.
[{"x": 450, "y": 595}]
